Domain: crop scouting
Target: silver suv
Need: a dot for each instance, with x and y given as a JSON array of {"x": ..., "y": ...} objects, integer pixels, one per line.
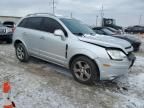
[{"x": 72, "y": 44}]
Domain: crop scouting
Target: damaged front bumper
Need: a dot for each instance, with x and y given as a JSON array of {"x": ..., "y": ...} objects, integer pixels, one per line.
[{"x": 111, "y": 69}]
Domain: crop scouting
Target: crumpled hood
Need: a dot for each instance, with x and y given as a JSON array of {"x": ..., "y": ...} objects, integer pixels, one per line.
[{"x": 106, "y": 41}]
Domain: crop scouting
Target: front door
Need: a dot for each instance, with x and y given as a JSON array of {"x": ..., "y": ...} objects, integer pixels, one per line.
[{"x": 52, "y": 47}]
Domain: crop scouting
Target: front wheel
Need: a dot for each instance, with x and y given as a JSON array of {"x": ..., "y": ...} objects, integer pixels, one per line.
[
  {"x": 21, "y": 53},
  {"x": 84, "y": 70}
]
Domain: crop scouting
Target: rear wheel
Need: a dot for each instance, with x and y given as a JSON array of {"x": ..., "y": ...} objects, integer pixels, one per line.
[
  {"x": 84, "y": 70},
  {"x": 21, "y": 53}
]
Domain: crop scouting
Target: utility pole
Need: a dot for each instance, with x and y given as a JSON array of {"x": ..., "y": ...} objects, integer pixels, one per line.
[
  {"x": 140, "y": 19},
  {"x": 53, "y": 2},
  {"x": 71, "y": 15},
  {"x": 102, "y": 11},
  {"x": 96, "y": 20},
  {"x": 102, "y": 14}
]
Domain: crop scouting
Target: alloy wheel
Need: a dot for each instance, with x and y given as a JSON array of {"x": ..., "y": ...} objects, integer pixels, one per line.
[
  {"x": 20, "y": 53},
  {"x": 82, "y": 70}
]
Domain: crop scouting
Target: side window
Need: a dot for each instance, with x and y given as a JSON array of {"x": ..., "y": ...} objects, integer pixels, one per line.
[
  {"x": 23, "y": 23},
  {"x": 31, "y": 22},
  {"x": 50, "y": 25},
  {"x": 34, "y": 23}
]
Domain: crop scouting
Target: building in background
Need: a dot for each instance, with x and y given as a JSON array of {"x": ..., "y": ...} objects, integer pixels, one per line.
[{"x": 9, "y": 18}]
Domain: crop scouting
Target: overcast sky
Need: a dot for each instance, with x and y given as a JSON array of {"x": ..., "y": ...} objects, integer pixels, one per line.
[{"x": 126, "y": 12}]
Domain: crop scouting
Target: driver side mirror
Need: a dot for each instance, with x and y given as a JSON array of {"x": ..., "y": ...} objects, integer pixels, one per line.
[{"x": 60, "y": 33}]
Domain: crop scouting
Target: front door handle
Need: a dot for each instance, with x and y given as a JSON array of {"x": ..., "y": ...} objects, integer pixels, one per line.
[{"x": 42, "y": 37}]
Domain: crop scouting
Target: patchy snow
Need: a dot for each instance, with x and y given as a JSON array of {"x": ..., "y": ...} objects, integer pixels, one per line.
[{"x": 39, "y": 84}]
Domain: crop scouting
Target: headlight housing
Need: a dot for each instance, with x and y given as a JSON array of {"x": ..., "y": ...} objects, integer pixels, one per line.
[{"x": 116, "y": 54}]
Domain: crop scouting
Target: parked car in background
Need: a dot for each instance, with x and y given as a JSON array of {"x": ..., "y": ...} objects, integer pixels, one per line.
[
  {"x": 135, "y": 29},
  {"x": 130, "y": 38},
  {"x": 72, "y": 44},
  {"x": 115, "y": 30},
  {"x": 5, "y": 34},
  {"x": 9, "y": 24}
]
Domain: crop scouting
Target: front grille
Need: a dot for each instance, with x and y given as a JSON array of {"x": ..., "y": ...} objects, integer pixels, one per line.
[
  {"x": 136, "y": 44},
  {"x": 130, "y": 56},
  {"x": 129, "y": 49}
]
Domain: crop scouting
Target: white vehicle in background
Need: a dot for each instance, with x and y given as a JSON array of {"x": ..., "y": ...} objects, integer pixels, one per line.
[{"x": 72, "y": 44}]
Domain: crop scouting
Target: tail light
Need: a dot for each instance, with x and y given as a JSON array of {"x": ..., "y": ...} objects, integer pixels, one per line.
[{"x": 13, "y": 29}]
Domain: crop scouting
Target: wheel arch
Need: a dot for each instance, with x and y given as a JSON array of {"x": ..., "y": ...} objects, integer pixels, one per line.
[
  {"x": 78, "y": 55},
  {"x": 17, "y": 42}
]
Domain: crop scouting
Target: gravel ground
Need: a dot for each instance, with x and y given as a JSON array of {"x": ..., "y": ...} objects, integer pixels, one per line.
[{"x": 39, "y": 84}]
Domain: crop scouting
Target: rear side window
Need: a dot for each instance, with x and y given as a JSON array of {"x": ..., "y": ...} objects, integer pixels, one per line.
[
  {"x": 50, "y": 25},
  {"x": 32, "y": 23}
]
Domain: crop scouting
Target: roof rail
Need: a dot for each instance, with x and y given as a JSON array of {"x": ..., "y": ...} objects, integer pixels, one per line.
[{"x": 41, "y": 14}]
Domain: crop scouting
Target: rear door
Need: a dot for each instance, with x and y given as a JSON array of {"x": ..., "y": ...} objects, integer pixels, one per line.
[{"x": 31, "y": 34}]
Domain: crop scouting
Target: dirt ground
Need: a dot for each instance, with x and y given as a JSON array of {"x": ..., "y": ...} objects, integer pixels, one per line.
[{"x": 39, "y": 84}]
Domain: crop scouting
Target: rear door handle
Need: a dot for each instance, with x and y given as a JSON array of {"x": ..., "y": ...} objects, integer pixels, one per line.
[{"x": 42, "y": 37}]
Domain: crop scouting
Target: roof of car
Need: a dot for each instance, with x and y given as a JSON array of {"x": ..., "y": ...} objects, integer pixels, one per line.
[
  {"x": 44, "y": 14},
  {"x": 47, "y": 15}
]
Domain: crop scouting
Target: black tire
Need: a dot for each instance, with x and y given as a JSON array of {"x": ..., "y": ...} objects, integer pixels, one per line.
[
  {"x": 93, "y": 70},
  {"x": 9, "y": 41},
  {"x": 25, "y": 57}
]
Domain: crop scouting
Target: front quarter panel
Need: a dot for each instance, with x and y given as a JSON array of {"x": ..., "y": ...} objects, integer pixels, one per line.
[{"x": 87, "y": 49}]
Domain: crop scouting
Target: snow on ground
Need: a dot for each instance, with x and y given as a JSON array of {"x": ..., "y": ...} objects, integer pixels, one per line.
[{"x": 39, "y": 84}]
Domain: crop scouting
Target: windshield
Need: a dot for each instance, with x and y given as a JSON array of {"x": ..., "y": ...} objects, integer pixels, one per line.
[
  {"x": 77, "y": 27},
  {"x": 108, "y": 31}
]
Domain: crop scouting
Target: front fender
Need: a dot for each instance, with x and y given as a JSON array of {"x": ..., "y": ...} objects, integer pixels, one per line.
[{"x": 80, "y": 51}]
